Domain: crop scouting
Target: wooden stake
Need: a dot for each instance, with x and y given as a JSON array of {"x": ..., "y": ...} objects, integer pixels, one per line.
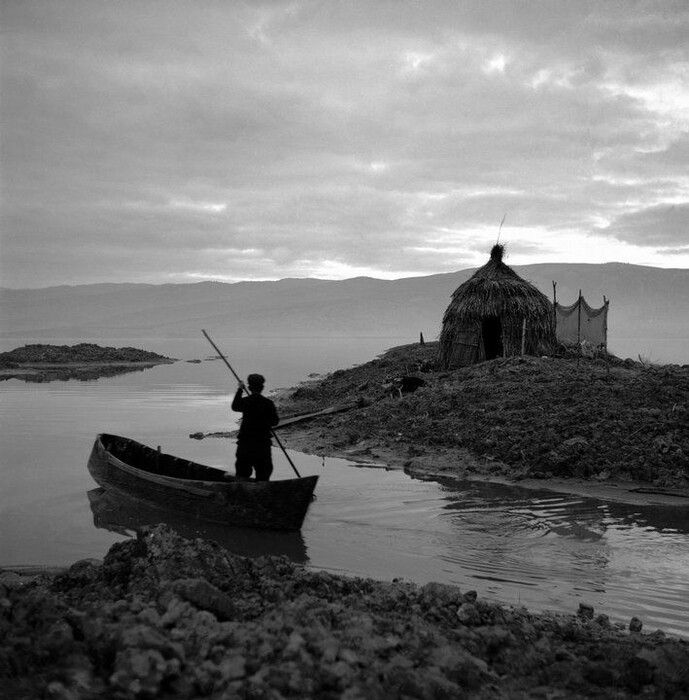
[{"x": 523, "y": 335}]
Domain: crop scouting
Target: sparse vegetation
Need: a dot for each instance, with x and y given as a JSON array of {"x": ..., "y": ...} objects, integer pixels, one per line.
[{"x": 523, "y": 416}]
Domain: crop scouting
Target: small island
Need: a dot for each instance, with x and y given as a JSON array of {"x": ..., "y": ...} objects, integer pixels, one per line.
[
  {"x": 559, "y": 420},
  {"x": 84, "y": 361}
]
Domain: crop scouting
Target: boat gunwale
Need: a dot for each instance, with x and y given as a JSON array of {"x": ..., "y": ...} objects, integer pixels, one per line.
[{"x": 200, "y": 486}]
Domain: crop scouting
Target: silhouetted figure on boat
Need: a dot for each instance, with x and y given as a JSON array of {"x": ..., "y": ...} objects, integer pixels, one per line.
[{"x": 259, "y": 416}]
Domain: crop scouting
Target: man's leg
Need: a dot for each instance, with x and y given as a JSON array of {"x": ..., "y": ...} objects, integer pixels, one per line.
[
  {"x": 242, "y": 465},
  {"x": 263, "y": 462}
]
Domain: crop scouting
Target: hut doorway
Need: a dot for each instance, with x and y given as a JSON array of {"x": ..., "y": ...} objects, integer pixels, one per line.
[{"x": 491, "y": 332}]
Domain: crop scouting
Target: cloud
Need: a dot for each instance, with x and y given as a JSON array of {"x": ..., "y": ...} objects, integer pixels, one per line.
[
  {"x": 389, "y": 137},
  {"x": 659, "y": 226}
]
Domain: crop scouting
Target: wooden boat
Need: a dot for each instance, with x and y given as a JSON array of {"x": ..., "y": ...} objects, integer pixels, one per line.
[{"x": 123, "y": 465}]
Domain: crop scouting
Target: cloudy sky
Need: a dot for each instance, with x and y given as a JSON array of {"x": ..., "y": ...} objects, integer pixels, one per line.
[{"x": 168, "y": 141}]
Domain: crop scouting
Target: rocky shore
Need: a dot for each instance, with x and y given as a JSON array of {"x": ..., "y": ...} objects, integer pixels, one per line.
[
  {"x": 84, "y": 361},
  {"x": 166, "y": 617}
]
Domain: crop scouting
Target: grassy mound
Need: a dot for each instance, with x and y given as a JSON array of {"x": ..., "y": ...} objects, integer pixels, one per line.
[
  {"x": 82, "y": 352},
  {"x": 542, "y": 417}
]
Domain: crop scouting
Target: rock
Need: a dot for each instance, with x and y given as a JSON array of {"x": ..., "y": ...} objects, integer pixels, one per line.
[
  {"x": 348, "y": 656},
  {"x": 206, "y": 597},
  {"x": 585, "y": 611},
  {"x": 294, "y": 643},
  {"x": 635, "y": 625},
  {"x": 139, "y": 672},
  {"x": 603, "y": 620},
  {"x": 11, "y": 581},
  {"x": 468, "y": 614},
  {"x": 600, "y": 675},
  {"x": 575, "y": 443},
  {"x": 176, "y": 610},
  {"x": 441, "y": 594},
  {"x": 59, "y": 691},
  {"x": 149, "y": 616},
  {"x": 233, "y": 668},
  {"x": 144, "y": 637}
]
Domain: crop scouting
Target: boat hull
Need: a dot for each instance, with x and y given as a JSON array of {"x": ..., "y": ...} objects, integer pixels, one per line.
[{"x": 122, "y": 465}]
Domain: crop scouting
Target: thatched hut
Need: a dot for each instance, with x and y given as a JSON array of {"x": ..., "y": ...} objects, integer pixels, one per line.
[{"x": 495, "y": 313}]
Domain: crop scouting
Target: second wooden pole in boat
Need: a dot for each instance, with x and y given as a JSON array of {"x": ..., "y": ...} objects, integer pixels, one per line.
[{"x": 241, "y": 383}]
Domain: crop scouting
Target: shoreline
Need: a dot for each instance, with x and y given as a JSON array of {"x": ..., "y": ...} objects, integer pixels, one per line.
[{"x": 459, "y": 465}]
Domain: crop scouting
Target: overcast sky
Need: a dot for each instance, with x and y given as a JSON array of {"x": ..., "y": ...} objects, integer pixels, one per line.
[{"x": 165, "y": 141}]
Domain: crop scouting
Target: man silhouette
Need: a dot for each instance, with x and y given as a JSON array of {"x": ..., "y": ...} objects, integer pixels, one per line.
[{"x": 259, "y": 415}]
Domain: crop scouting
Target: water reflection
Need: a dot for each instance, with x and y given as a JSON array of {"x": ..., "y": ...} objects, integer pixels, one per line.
[
  {"x": 81, "y": 373},
  {"x": 123, "y": 516}
]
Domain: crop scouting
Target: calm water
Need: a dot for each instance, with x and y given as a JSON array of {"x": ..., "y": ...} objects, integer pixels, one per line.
[{"x": 540, "y": 549}]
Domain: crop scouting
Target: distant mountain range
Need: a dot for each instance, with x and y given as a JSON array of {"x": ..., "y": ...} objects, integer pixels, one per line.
[{"x": 644, "y": 302}]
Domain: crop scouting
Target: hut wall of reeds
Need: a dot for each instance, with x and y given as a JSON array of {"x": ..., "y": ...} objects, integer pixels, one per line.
[{"x": 495, "y": 313}]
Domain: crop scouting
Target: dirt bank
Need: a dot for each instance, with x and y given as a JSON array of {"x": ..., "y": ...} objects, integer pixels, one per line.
[
  {"x": 164, "y": 617},
  {"x": 581, "y": 423}
]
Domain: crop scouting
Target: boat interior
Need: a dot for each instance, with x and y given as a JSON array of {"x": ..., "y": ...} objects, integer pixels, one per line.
[{"x": 147, "y": 459}]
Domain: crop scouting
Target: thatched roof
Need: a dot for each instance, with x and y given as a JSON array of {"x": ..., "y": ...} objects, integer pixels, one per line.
[{"x": 496, "y": 290}]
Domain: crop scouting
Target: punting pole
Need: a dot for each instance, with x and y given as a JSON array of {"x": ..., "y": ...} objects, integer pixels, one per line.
[{"x": 241, "y": 383}]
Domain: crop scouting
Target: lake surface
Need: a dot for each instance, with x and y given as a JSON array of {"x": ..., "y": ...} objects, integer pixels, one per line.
[{"x": 541, "y": 549}]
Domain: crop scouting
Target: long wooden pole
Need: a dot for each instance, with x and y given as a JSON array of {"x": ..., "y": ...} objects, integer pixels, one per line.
[
  {"x": 579, "y": 326},
  {"x": 241, "y": 383},
  {"x": 555, "y": 309}
]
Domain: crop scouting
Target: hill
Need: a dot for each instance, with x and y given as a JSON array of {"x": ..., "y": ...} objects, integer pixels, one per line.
[{"x": 645, "y": 302}]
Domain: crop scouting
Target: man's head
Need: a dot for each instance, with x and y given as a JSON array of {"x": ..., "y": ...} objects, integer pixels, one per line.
[{"x": 256, "y": 382}]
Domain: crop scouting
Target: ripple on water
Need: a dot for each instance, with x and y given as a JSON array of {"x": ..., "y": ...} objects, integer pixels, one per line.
[{"x": 546, "y": 550}]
